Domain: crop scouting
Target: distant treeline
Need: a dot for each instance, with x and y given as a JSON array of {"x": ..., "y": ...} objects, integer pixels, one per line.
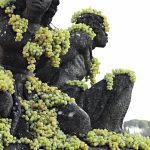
[{"x": 141, "y": 124}]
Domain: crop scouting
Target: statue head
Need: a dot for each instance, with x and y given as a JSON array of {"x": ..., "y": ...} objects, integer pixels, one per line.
[
  {"x": 96, "y": 23},
  {"x": 45, "y": 9}
]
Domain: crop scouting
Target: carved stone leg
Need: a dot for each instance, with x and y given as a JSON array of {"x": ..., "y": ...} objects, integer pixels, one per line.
[
  {"x": 95, "y": 100},
  {"x": 107, "y": 109}
]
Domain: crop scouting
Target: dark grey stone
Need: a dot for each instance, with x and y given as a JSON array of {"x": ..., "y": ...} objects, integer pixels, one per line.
[
  {"x": 108, "y": 107},
  {"x": 73, "y": 120},
  {"x": 17, "y": 147},
  {"x": 99, "y": 108},
  {"x": 6, "y": 104},
  {"x": 105, "y": 148},
  {"x": 98, "y": 148},
  {"x": 22, "y": 129}
]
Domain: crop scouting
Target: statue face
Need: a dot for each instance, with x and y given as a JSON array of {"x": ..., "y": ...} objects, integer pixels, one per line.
[
  {"x": 96, "y": 23},
  {"x": 38, "y": 6},
  {"x": 101, "y": 37}
]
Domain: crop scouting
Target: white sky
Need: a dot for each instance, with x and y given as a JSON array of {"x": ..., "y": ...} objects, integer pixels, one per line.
[{"x": 128, "y": 45}]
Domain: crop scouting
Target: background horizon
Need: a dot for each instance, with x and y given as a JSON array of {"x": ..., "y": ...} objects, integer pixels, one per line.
[{"x": 127, "y": 47}]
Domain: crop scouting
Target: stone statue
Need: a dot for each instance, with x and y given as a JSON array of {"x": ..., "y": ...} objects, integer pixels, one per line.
[
  {"x": 11, "y": 55},
  {"x": 75, "y": 65},
  {"x": 97, "y": 107}
]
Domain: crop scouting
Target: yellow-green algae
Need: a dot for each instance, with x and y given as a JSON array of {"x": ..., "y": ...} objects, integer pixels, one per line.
[{"x": 110, "y": 76}]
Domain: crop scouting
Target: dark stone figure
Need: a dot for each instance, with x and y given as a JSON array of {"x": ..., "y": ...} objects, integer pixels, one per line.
[
  {"x": 11, "y": 54},
  {"x": 75, "y": 65},
  {"x": 97, "y": 107}
]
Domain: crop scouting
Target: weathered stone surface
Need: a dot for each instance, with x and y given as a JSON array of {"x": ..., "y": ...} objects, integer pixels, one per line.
[
  {"x": 17, "y": 147},
  {"x": 98, "y": 148},
  {"x": 6, "y": 103},
  {"x": 102, "y": 108},
  {"x": 107, "y": 109},
  {"x": 75, "y": 92},
  {"x": 104, "y": 148},
  {"x": 22, "y": 129},
  {"x": 73, "y": 120}
]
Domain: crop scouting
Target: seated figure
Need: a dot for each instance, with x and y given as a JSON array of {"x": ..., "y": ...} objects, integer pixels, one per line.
[
  {"x": 39, "y": 14},
  {"x": 75, "y": 65}
]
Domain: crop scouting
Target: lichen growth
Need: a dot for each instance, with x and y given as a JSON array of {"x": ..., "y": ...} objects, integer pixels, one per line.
[
  {"x": 19, "y": 25},
  {"x": 55, "y": 43},
  {"x": 10, "y": 10},
  {"x": 5, "y": 3},
  {"x": 41, "y": 113},
  {"x": 50, "y": 95},
  {"x": 6, "y": 81},
  {"x": 94, "y": 70},
  {"x": 78, "y": 83},
  {"x": 128, "y": 72},
  {"x": 73, "y": 143},
  {"x": 114, "y": 141},
  {"x": 90, "y": 11},
  {"x": 5, "y": 137},
  {"x": 84, "y": 28},
  {"x": 52, "y": 44},
  {"x": 32, "y": 52},
  {"x": 60, "y": 46},
  {"x": 110, "y": 76}
]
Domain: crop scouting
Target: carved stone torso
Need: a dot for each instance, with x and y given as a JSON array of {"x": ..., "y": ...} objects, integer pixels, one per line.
[{"x": 75, "y": 65}]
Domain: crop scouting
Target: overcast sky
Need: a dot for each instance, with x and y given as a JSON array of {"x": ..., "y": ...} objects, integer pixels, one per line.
[{"x": 128, "y": 45}]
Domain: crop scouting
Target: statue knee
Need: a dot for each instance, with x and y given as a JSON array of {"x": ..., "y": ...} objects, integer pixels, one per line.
[{"x": 73, "y": 120}]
